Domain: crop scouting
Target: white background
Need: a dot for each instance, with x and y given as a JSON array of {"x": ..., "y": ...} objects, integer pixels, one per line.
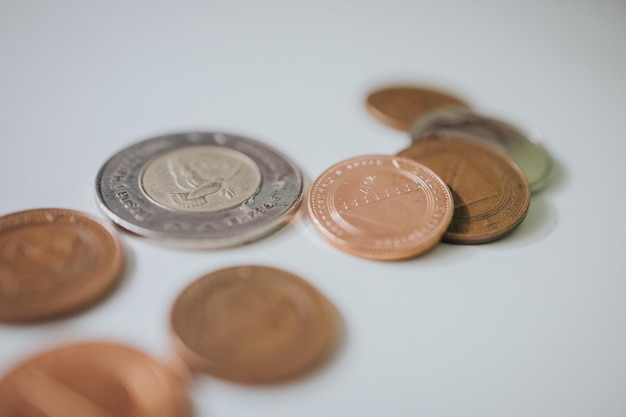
[{"x": 532, "y": 325}]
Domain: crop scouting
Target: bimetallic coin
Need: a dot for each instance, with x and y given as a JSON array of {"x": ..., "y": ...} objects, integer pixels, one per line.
[
  {"x": 380, "y": 207},
  {"x": 200, "y": 190},
  {"x": 491, "y": 194},
  {"x": 519, "y": 145},
  {"x": 252, "y": 324},
  {"x": 400, "y": 106},
  {"x": 54, "y": 262},
  {"x": 95, "y": 380}
]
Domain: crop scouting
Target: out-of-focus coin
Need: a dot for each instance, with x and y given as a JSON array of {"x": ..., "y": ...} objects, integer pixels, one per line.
[
  {"x": 521, "y": 146},
  {"x": 491, "y": 194},
  {"x": 200, "y": 190},
  {"x": 252, "y": 324},
  {"x": 380, "y": 207},
  {"x": 95, "y": 380},
  {"x": 54, "y": 262},
  {"x": 400, "y": 106}
]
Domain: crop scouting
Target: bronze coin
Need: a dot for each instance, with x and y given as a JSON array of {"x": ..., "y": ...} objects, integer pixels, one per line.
[
  {"x": 380, "y": 207},
  {"x": 92, "y": 380},
  {"x": 252, "y": 324},
  {"x": 54, "y": 262},
  {"x": 400, "y": 106},
  {"x": 491, "y": 194}
]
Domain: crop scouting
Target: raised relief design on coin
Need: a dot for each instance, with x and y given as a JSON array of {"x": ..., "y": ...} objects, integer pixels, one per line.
[
  {"x": 380, "y": 207},
  {"x": 54, "y": 261},
  {"x": 200, "y": 189},
  {"x": 201, "y": 178},
  {"x": 92, "y": 380},
  {"x": 521, "y": 146},
  {"x": 490, "y": 192},
  {"x": 252, "y": 323}
]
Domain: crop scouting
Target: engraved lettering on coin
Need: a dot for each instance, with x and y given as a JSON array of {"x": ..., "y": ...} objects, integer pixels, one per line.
[{"x": 201, "y": 178}]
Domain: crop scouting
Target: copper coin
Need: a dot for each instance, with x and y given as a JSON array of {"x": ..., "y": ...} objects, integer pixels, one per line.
[
  {"x": 92, "y": 380},
  {"x": 380, "y": 207},
  {"x": 54, "y": 262},
  {"x": 400, "y": 106},
  {"x": 491, "y": 194},
  {"x": 252, "y": 324},
  {"x": 520, "y": 145}
]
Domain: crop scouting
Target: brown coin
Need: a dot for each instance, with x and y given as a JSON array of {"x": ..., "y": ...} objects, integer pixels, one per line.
[
  {"x": 252, "y": 324},
  {"x": 491, "y": 194},
  {"x": 400, "y": 106},
  {"x": 380, "y": 207},
  {"x": 54, "y": 262},
  {"x": 92, "y": 380}
]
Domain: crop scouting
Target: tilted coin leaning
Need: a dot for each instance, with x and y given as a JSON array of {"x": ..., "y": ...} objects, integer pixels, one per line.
[{"x": 200, "y": 189}]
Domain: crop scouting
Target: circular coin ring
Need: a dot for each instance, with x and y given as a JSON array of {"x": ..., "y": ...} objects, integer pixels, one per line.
[
  {"x": 400, "y": 106},
  {"x": 252, "y": 324},
  {"x": 380, "y": 207},
  {"x": 97, "y": 379},
  {"x": 456, "y": 122},
  {"x": 491, "y": 194},
  {"x": 54, "y": 262},
  {"x": 200, "y": 190}
]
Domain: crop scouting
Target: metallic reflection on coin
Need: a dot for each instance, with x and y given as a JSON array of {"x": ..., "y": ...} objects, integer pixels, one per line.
[
  {"x": 54, "y": 262},
  {"x": 92, "y": 379},
  {"x": 456, "y": 122},
  {"x": 200, "y": 189},
  {"x": 252, "y": 324},
  {"x": 400, "y": 106},
  {"x": 380, "y": 207},
  {"x": 491, "y": 195}
]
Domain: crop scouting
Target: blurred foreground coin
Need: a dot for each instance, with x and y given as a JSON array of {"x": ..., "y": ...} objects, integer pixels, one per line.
[
  {"x": 491, "y": 194},
  {"x": 456, "y": 122},
  {"x": 400, "y": 106},
  {"x": 200, "y": 190},
  {"x": 252, "y": 324},
  {"x": 95, "y": 380},
  {"x": 54, "y": 262},
  {"x": 380, "y": 207}
]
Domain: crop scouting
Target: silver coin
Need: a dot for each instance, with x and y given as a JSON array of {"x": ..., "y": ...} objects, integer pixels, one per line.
[
  {"x": 200, "y": 189},
  {"x": 521, "y": 146}
]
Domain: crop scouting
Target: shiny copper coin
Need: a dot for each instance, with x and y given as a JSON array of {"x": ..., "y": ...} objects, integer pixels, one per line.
[
  {"x": 92, "y": 380},
  {"x": 491, "y": 194},
  {"x": 252, "y": 324},
  {"x": 400, "y": 106},
  {"x": 54, "y": 262},
  {"x": 380, "y": 207}
]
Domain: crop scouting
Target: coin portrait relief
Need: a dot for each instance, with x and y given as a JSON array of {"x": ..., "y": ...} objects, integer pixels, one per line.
[{"x": 201, "y": 178}]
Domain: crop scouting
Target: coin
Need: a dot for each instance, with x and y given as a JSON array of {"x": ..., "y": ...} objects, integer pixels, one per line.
[
  {"x": 518, "y": 144},
  {"x": 380, "y": 207},
  {"x": 491, "y": 194},
  {"x": 55, "y": 261},
  {"x": 252, "y": 324},
  {"x": 200, "y": 189},
  {"x": 400, "y": 106},
  {"x": 92, "y": 379}
]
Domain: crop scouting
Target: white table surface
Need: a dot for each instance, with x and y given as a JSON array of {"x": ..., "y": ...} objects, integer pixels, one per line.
[{"x": 532, "y": 325}]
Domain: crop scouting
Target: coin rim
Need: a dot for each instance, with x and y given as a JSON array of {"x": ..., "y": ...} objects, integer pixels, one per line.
[
  {"x": 198, "y": 361},
  {"x": 74, "y": 302},
  {"x": 264, "y": 224},
  {"x": 375, "y": 253}
]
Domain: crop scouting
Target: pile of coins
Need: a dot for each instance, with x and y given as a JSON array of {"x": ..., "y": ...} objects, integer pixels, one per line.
[
  {"x": 207, "y": 190},
  {"x": 465, "y": 179}
]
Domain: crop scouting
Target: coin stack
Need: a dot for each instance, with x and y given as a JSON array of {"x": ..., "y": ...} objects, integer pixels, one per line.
[{"x": 466, "y": 179}]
